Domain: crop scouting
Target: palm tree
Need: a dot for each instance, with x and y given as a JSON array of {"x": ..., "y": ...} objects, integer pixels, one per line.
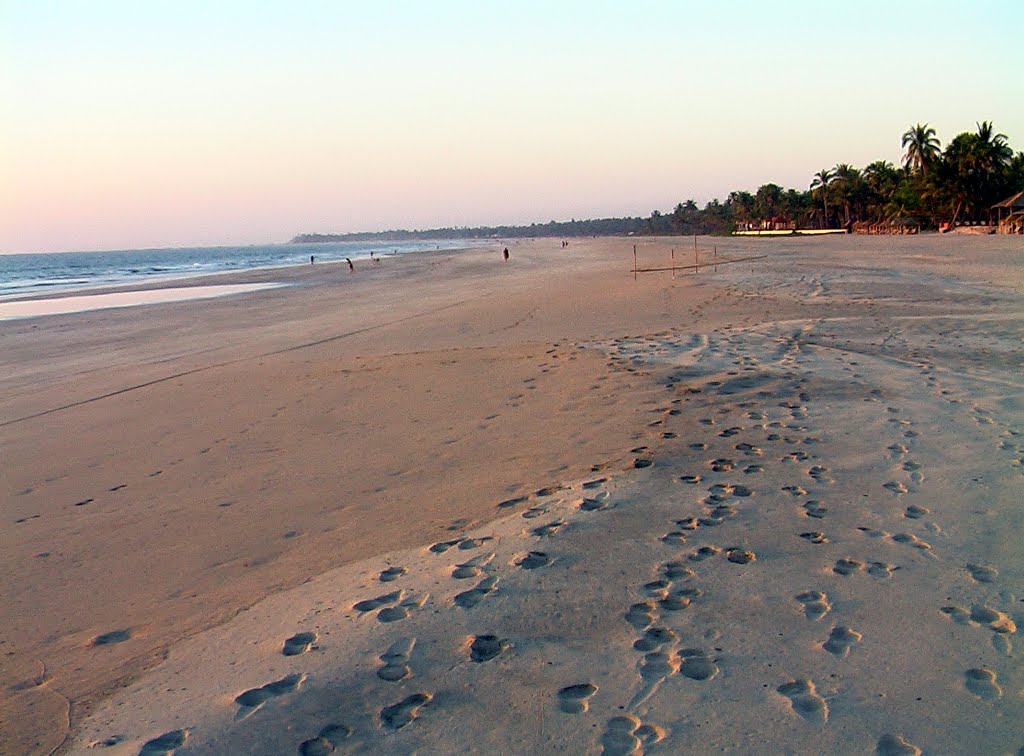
[
  {"x": 847, "y": 180},
  {"x": 994, "y": 152},
  {"x": 882, "y": 179},
  {"x": 742, "y": 205},
  {"x": 922, "y": 147},
  {"x": 821, "y": 181}
]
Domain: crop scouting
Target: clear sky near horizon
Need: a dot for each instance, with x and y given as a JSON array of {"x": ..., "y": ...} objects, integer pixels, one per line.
[{"x": 127, "y": 124}]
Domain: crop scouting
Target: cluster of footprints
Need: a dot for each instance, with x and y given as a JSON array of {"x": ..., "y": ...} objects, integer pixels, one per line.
[
  {"x": 673, "y": 595},
  {"x": 747, "y": 456}
]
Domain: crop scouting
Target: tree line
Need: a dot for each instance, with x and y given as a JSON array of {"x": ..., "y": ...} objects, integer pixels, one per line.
[{"x": 934, "y": 185}]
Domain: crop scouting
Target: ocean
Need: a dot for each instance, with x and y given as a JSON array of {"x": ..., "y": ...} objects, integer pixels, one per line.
[{"x": 44, "y": 273}]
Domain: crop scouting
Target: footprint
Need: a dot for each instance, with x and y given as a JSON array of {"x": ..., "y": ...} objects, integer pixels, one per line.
[
  {"x": 737, "y": 555},
  {"x": 674, "y": 538},
  {"x": 676, "y": 570},
  {"x": 697, "y": 664},
  {"x": 895, "y": 487},
  {"x": 592, "y": 484},
  {"x": 543, "y": 531},
  {"x": 486, "y": 647},
  {"x": 254, "y": 698},
  {"x": 703, "y": 553},
  {"x": 894, "y": 745},
  {"x": 691, "y": 479},
  {"x": 640, "y": 615},
  {"x": 847, "y": 566},
  {"x": 814, "y": 536},
  {"x": 472, "y": 597},
  {"x": 575, "y": 699},
  {"x": 654, "y": 668},
  {"x": 472, "y": 568},
  {"x": 443, "y": 546},
  {"x": 840, "y": 641},
  {"x": 915, "y": 512},
  {"x": 805, "y": 700},
  {"x": 513, "y": 501},
  {"x": 722, "y": 465},
  {"x": 982, "y": 682},
  {"x": 474, "y": 543},
  {"x": 619, "y": 737},
  {"x": 814, "y": 508},
  {"x": 403, "y": 610},
  {"x": 676, "y": 600},
  {"x": 165, "y": 744},
  {"x": 815, "y": 604},
  {"x": 392, "y": 573},
  {"x": 982, "y": 573},
  {"x": 325, "y": 743},
  {"x": 752, "y": 469},
  {"x": 912, "y": 540},
  {"x": 592, "y": 505},
  {"x": 994, "y": 619},
  {"x": 819, "y": 473},
  {"x": 881, "y": 569},
  {"x": 795, "y": 490},
  {"x": 957, "y": 614},
  {"x": 873, "y": 533},
  {"x": 369, "y": 605},
  {"x": 112, "y": 637},
  {"x": 396, "y": 660},
  {"x": 653, "y": 638},
  {"x": 398, "y": 715},
  {"x": 533, "y": 560},
  {"x": 298, "y": 644}
]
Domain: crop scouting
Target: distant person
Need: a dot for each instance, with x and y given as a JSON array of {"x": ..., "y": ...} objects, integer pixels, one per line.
[
  {"x": 504, "y": 255},
  {"x": 311, "y": 259},
  {"x": 351, "y": 267}
]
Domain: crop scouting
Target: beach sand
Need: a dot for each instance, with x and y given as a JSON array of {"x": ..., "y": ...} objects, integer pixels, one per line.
[{"x": 451, "y": 504}]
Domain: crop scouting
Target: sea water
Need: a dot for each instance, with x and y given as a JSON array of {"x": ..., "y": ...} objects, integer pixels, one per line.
[{"x": 44, "y": 273}]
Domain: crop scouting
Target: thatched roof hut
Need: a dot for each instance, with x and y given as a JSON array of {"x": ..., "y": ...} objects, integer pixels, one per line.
[{"x": 1011, "y": 214}]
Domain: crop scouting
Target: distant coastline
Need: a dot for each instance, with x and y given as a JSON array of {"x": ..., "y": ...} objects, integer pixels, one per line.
[{"x": 595, "y": 227}]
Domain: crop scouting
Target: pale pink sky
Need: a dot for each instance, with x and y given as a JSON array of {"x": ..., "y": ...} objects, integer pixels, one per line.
[{"x": 127, "y": 125}]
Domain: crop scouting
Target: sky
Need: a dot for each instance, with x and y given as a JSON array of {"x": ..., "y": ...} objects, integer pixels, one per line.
[{"x": 146, "y": 123}]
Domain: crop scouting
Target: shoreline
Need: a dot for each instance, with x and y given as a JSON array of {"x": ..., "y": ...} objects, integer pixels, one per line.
[
  {"x": 347, "y": 419},
  {"x": 165, "y": 280}
]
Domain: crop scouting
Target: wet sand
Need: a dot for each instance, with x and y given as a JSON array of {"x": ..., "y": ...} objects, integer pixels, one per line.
[{"x": 769, "y": 506}]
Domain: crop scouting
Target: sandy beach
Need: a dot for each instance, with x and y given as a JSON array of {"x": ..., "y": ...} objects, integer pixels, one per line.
[{"x": 450, "y": 504}]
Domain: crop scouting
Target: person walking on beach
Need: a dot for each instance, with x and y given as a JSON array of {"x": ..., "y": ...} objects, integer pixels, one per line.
[
  {"x": 351, "y": 267},
  {"x": 504, "y": 255},
  {"x": 311, "y": 259}
]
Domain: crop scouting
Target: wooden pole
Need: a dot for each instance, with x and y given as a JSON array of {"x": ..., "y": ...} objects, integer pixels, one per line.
[
  {"x": 673, "y": 262},
  {"x": 634, "y": 262},
  {"x": 696, "y": 259},
  {"x": 716, "y": 258}
]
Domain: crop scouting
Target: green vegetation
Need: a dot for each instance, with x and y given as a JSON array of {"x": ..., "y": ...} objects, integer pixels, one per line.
[{"x": 934, "y": 186}]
